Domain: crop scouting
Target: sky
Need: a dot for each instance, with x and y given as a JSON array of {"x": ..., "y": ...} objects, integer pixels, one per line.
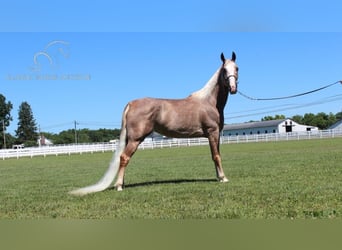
[
  {"x": 87, "y": 72},
  {"x": 175, "y": 15}
]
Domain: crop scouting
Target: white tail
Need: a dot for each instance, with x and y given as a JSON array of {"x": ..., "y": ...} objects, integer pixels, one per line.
[{"x": 113, "y": 168}]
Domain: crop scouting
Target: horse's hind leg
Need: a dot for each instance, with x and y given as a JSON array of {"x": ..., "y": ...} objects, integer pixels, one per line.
[{"x": 128, "y": 152}]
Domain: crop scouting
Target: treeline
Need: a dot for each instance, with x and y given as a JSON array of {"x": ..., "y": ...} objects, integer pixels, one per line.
[
  {"x": 64, "y": 137},
  {"x": 83, "y": 136}
]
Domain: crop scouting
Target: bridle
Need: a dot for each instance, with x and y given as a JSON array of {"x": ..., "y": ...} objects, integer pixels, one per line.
[
  {"x": 226, "y": 79},
  {"x": 232, "y": 76}
]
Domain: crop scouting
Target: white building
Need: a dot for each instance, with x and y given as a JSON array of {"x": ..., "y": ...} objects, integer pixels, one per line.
[
  {"x": 42, "y": 141},
  {"x": 266, "y": 127}
]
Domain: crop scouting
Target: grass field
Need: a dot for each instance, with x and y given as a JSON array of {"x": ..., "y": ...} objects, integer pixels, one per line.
[{"x": 296, "y": 179}]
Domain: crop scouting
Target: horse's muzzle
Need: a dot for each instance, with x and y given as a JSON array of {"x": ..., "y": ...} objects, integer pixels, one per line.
[{"x": 233, "y": 89}]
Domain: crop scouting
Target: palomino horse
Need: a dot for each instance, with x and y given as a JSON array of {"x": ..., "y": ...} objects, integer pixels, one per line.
[{"x": 199, "y": 115}]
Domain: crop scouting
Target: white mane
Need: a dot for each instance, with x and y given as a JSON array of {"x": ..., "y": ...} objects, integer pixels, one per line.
[{"x": 208, "y": 87}]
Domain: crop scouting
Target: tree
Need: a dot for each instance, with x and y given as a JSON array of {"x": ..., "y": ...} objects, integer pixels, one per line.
[
  {"x": 338, "y": 116},
  {"x": 84, "y": 136},
  {"x": 27, "y": 128},
  {"x": 5, "y": 117},
  {"x": 298, "y": 119},
  {"x": 276, "y": 117},
  {"x": 104, "y": 135},
  {"x": 64, "y": 137},
  {"x": 331, "y": 119},
  {"x": 308, "y": 119}
]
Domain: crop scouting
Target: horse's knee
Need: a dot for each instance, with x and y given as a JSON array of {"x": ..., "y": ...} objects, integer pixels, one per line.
[{"x": 217, "y": 158}]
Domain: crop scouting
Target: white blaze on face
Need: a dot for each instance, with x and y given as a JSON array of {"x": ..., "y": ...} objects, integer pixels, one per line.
[
  {"x": 232, "y": 84},
  {"x": 232, "y": 74}
]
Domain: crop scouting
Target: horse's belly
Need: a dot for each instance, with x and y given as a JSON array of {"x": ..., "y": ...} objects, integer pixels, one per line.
[{"x": 179, "y": 132}]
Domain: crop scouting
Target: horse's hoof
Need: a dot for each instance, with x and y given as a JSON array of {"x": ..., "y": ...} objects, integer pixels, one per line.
[
  {"x": 119, "y": 188},
  {"x": 224, "y": 179}
]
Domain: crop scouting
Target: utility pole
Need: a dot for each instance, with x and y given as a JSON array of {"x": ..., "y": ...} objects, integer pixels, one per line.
[
  {"x": 75, "y": 132},
  {"x": 4, "y": 132}
]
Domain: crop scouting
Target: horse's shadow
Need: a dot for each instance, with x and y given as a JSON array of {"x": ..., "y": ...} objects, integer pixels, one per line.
[{"x": 162, "y": 182}]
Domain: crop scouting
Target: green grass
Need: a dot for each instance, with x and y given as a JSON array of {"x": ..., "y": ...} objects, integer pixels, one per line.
[{"x": 297, "y": 179}]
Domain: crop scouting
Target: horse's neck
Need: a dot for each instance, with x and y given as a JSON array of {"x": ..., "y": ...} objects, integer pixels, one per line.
[
  {"x": 221, "y": 100},
  {"x": 215, "y": 93},
  {"x": 212, "y": 91}
]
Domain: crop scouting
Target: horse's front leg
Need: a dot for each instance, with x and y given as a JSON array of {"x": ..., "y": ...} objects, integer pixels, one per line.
[{"x": 215, "y": 153}]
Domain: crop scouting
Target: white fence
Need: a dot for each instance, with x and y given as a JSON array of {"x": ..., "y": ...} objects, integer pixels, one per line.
[
  {"x": 163, "y": 143},
  {"x": 56, "y": 150}
]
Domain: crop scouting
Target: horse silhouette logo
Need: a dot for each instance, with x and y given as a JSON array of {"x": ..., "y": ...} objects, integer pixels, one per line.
[{"x": 50, "y": 55}]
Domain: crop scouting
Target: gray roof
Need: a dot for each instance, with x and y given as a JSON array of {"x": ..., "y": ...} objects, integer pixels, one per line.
[
  {"x": 336, "y": 125},
  {"x": 249, "y": 125}
]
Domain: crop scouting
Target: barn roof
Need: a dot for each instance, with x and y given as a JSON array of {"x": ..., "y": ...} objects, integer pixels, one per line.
[
  {"x": 336, "y": 125},
  {"x": 249, "y": 125}
]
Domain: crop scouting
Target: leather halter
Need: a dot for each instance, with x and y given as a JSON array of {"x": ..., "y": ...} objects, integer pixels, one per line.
[
  {"x": 232, "y": 76},
  {"x": 227, "y": 80}
]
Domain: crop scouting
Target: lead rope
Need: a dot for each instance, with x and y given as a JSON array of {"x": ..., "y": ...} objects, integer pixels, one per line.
[{"x": 288, "y": 97}]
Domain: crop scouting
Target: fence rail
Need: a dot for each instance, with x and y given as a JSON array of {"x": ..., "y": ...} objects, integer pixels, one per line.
[{"x": 163, "y": 143}]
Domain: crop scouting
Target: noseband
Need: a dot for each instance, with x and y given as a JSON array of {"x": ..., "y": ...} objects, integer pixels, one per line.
[
  {"x": 227, "y": 80},
  {"x": 232, "y": 76}
]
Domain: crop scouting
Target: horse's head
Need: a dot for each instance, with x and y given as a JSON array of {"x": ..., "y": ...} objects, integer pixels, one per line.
[{"x": 229, "y": 73}]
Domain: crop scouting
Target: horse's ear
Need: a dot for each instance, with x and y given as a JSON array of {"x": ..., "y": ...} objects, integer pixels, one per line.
[
  {"x": 233, "y": 56},
  {"x": 222, "y": 58}
]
